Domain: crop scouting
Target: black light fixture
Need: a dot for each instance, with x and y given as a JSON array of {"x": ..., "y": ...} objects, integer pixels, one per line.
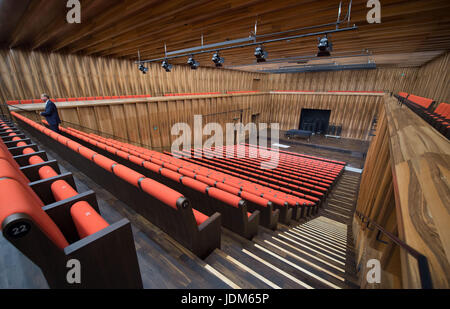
[
  {"x": 193, "y": 64},
  {"x": 217, "y": 59},
  {"x": 324, "y": 46},
  {"x": 260, "y": 54},
  {"x": 166, "y": 66},
  {"x": 143, "y": 69}
]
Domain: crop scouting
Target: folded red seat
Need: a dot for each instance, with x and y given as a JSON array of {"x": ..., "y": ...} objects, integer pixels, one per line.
[
  {"x": 87, "y": 220},
  {"x": 62, "y": 190},
  {"x": 19, "y": 200}
]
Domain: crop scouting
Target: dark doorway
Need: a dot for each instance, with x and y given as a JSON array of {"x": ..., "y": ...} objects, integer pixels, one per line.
[{"x": 315, "y": 120}]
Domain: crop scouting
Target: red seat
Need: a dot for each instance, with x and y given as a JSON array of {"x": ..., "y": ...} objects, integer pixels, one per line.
[
  {"x": 128, "y": 174},
  {"x": 161, "y": 192},
  {"x": 199, "y": 217},
  {"x": 87, "y": 220},
  {"x": 62, "y": 190},
  {"x": 104, "y": 162},
  {"x": 16, "y": 199}
]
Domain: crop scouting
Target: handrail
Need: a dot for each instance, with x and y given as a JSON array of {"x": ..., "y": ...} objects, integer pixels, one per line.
[{"x": 422, "y": 261}]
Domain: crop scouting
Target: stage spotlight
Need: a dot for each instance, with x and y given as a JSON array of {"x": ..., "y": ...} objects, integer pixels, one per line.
[
  {"x": 260, "y": 54},
  {"x": 324, "y": 46},
  {"x": 143, "y": 69},
  {"x": 194, "y": 64},
  {"x": 217, "y": 60},
  {"x": 166, "y": 66}
]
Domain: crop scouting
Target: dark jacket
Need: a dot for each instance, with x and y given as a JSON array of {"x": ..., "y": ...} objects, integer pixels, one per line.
[{"x": 51, "y": 114}]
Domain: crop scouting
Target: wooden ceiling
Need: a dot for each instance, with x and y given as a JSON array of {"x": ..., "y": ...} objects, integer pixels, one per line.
[{"x": 414, "y": 30}]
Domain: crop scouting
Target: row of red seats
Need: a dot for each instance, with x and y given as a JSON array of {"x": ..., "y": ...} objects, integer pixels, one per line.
[
  {"x": 237, "y": 92},
  {"x": 268, "y": 217},
  {"x": 238, "y": 186},
  {"x": 186, "y": 94},
  {"x": 420, "y": 101},
  {"x": 294, "y": 165},
  {"x": 256, "y": 172},
  {"x": 86, "y": 224},
  {"x": 312, "y": 183},
  {"x": 329, "y": 91},
  {"x": 35, "y": 101},
  {"x": 235, "y": 215},
  {"x": 294, "y": 154},
  {"x": 356, "y": 91},
  {"x": 158, "y": 203},
  {"x": 151, "y": 187},
  {"x": 438, "y": 118},
  {"x": 46, "y": 244}
]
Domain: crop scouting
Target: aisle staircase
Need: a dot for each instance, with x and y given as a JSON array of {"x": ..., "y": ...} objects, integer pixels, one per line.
[{"x": 317, "y": 253}]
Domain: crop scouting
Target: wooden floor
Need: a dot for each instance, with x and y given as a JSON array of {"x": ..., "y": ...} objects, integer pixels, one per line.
[{"x": 317, "y": 253}]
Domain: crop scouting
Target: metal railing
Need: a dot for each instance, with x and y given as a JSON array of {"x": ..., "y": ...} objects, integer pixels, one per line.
[{"x": 422, "y": 261}]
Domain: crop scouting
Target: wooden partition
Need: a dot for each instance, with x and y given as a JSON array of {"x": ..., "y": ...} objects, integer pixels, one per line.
[
  {"x": 354, "y": 111},
  {"x": 376, "y": 201},
  {"x": 405, "y": 188},
  {"x": 148, "y": 122}
]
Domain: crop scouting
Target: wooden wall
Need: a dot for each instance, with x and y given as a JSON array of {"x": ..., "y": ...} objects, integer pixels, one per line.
[
  {"x": 148, "y": 122},
  {"x": 433, "y": 79},
  {"x": 376, "y": 201},
  {"x": 405, "y": 188},
  {"x": 25, "y": 75},
  {"x": 382, "y": 79},
  {"x": 354, "y": 112},
  {"x": 420, "y": 160}
]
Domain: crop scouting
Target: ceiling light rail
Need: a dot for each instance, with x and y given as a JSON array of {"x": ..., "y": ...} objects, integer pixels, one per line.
[
  {"x": 354, "y": 27},
  {"x": 252, "y": 40}
]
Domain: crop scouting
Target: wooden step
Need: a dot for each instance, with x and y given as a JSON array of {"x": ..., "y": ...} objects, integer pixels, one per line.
[
  {"x": 238, "y": 273},
  {"x": 240, "y": 250}
]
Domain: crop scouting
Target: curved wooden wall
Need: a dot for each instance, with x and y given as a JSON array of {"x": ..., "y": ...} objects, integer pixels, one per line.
[{"x": 25, "y": 75}]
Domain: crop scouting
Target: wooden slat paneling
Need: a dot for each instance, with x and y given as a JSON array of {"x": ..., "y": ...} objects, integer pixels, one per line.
[
  {"x": 26, "y": 75},
  {"x": 433, "y": 80},
  {"x": 353, "y": 112}
]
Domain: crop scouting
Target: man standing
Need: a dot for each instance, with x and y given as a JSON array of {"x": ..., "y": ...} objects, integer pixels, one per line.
[{"x": 51, "y": 113}]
